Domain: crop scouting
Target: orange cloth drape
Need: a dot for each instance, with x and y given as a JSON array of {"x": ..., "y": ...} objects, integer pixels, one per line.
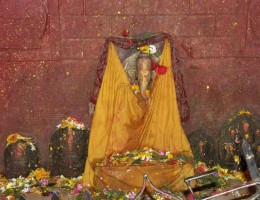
[{"x": 120, "y": 123}]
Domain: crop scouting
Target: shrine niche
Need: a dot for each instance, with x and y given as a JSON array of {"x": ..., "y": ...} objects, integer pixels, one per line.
[
  {"x": 242, "y": 125},
  {"x": 69, "y": 148},
  {"x": 20, "y": 156},
  {"x": 203, "y": 147}
]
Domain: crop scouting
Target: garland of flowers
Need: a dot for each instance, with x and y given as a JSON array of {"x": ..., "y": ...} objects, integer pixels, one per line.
[
  {"x": 71, "y": 123},
  {"x": 241, "y": 112},
  {"x": 15, "y": 137}
]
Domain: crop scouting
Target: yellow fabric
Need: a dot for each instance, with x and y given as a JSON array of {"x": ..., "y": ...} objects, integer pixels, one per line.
[
  {"x": 121, "y": 123},
  {"x": 130, "y": 178}
]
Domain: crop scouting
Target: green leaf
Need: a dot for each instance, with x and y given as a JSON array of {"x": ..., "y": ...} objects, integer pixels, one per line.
[
  {"x": 156, "y": 156},
  {"x": 118, "y": 156},
  {"x": 8, "y": 191},
  {"x": 137, "y": 162},
  {"x": 17, "y": 194},
  {"x": 80, "y": 196},
  {"x": 66, "y": 187}
]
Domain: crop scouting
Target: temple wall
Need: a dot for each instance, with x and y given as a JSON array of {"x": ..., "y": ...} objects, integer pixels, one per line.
[{"x": 49, "y": 53}]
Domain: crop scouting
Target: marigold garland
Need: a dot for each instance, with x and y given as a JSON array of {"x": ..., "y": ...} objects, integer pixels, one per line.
[{"x": 15, "y": 137}]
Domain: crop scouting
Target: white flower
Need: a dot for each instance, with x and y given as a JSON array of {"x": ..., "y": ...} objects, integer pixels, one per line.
[
  {"x": 2, "y": 189},
  {"x": 152, "y": 49},
  {"x": 25, "y": 190},
  {"x": 20, "y": 183},
  {"x": 80, "y": 126},
  {"x": 33, "y": 148},
  {"x": 26, "y": 181},
  {"x": 10, "y": 185},
  {"x": 58, "y": 126},
  {"x": 13, "y": 180},
  {"x": 79, "y": 178}
]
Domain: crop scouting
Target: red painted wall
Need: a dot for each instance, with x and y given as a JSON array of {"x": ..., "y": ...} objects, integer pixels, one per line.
[{"x": 49, "y": 53}]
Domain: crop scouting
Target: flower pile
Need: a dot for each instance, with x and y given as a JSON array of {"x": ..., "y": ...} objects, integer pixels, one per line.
[
  {"x": 35, "y": 182},
  {"x": 71, "y": 123},
  {"x": 222, "y": 172},
  {"x": 39, "y": 182},
  {"x": 15, "y": 137},
  {"x": 219, "y": 181},
  {"x": 147, "y": 156}
]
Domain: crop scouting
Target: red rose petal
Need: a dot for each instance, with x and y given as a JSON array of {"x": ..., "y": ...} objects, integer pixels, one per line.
[
  {"x": 125, "y": 33},
  {"x": 161, "y": 70}
]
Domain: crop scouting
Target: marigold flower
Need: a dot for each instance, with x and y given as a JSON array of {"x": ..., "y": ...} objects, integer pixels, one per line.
[
  {"x": 147, "y": 92},
  {"x": 236, "y": 159},
  {"x": 244, "y": 112},
  {"x": 170, "y": 156},
  {"x": 145, "y": 49},
  {"x": 12, "y": 138},
  {"x": 40, "y": 173}
]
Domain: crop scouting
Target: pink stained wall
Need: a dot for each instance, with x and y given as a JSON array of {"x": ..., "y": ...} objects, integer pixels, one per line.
[{"x": 49, "y": 53}]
